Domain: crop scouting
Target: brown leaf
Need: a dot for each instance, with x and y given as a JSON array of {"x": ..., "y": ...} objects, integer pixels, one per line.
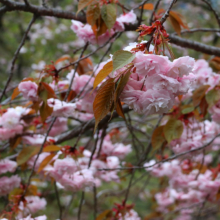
[
  {"x": 82, "y": 4},
  {"x": 105, "y": 215},
  {"x": 203, "y": 107},
  {"x": 15, "y": 93},
  {"x": 93, "y": 14},
  {"x": 158, "y": 138},
  {"x": 61, "y": 59},
  {"x": 122, "y": 83},
  {"x": 178, "y": 17},
  {"x": 103, "y": 73},
  {"x": 199, "y": 94},
  {"x": 175, "y": 25},
  {"x": 14, "y": 142},
  {"x": 119, "y": 109},
  {"x": 45, "y": 111},
  {"x": 45, "y": 162},
  {"x": 147, "y": 6},
  {"x": 51, "y": 148},
  {"x": 103, "y": 100}
]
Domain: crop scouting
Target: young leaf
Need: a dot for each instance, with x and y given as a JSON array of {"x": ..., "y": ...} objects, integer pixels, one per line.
[
  {"x": 122, "y": 58},
  {"x": 158, "y": 138},
  {"x": 199, "y": 94},
  {"x": 92, "y": 14},
  {"x": 104, "y": 215},
  {"x": 119, "y": 109},
  {"x": 82, "y": 4},
  {"x": 51, "y": 148},
  {"x": 103, "y": 73},
  {"x": 122, "y": 83},
  {"x": 108, "y": 13},
  {"x": 45, "y": 111},
  {"x": 148, "y": 6},
  {"x": 15, "y": 93},
  {"x": 26, "y": 154},
  {"x": 45, "y": 162},
  {"x": 103, "y": 100},
  {"x": 173, "y": 129},
  {"x": 178, "y": 17},
  {"x": 203, "y": 107},
  {"x": 212, "y": 97},
  {"x": 175, "y": 25}
]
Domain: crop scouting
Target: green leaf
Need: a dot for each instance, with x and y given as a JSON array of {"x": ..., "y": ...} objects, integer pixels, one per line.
[
  {"x": 212, "y": 97},
  {"x": 26, "y": 154},
  {"x": 187, "y": 109},
  {"x": 173, "y": 129},
  {"x": 108, "y": 13},
  {"x": 103, "y": 100},
  {"x": 158, "y": 138},
  {"x": 199, "y": 94},
  {"x": 122, "y": 58},
  {"x": 103, "y": 73},
  {"x": 82, "y": 4}
]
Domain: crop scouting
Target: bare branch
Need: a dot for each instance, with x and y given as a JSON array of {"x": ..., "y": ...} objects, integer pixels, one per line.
[
  {"x": 43, "y": 11},
  {"x": 155, "y": 8}
]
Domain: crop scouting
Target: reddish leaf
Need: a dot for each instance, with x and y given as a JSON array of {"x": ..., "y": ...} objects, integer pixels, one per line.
[
  {"x": 93, "y": 14},
  {"x": 103, "y": 100},
  {"x": 103, "y": 73},
  {"x": 105, "y": 215},
  {"x": 14, "y": 142},
  {"x": 178, "y": 17},
  {"x": 175, "y": 25},
  {"x": 119, "y": 109},
  {"x": 203, "y": 106},
  {"x": 147, "y": 6},
  {"x": 15, "y": 93}
]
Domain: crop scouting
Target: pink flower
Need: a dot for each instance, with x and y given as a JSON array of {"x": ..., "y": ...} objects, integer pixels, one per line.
[
  {"x": 80, "y": 81},
  {"x": 28, "y": 90},
  {"x": 129, "y": 17},
  {"x": 60, "y": 126},
  {"x": 36, "y": 139},
  {"x": 7, "y": 166},
  {"x": 7, "y": 184},
  {"x": 130, "y": 215},
  {"x": 61, "y": 108},
  {"x": 6, "y": 133}
]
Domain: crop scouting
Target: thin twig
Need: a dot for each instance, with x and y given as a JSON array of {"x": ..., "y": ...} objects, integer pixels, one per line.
[
  {"x": 213, "y": 10},
  {"x": 58, "y": 200},
  {"x": 155, "y": 8},
  {"x": 16, "y": 55},
  {"x": 80, "y": 205}
]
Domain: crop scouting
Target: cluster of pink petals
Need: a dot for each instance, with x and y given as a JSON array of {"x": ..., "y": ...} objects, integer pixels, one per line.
[
  {"x": 61, "y": 108},
  {"x": 204, "y": 74},
  {"x": 86, "y": 33},
  {"x": 36, "y": 139},
  {"x": 28, "y": 90},
  {"x": 155, "y": 82},
  {"x": 7, "y": 184},
  {"x": 33, "y": 204},
  {"x": 195, "y": 135},
  {"x": 186, "y": 189},
  {"x": 130, "y": 215},
  {"x": 11, "y": 123},
  {"x": 7, "y": 165},
  {"x": 75, "y": 173}
]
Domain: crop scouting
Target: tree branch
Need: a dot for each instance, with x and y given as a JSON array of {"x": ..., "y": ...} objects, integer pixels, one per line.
[{"x": 43, "y": 11}]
